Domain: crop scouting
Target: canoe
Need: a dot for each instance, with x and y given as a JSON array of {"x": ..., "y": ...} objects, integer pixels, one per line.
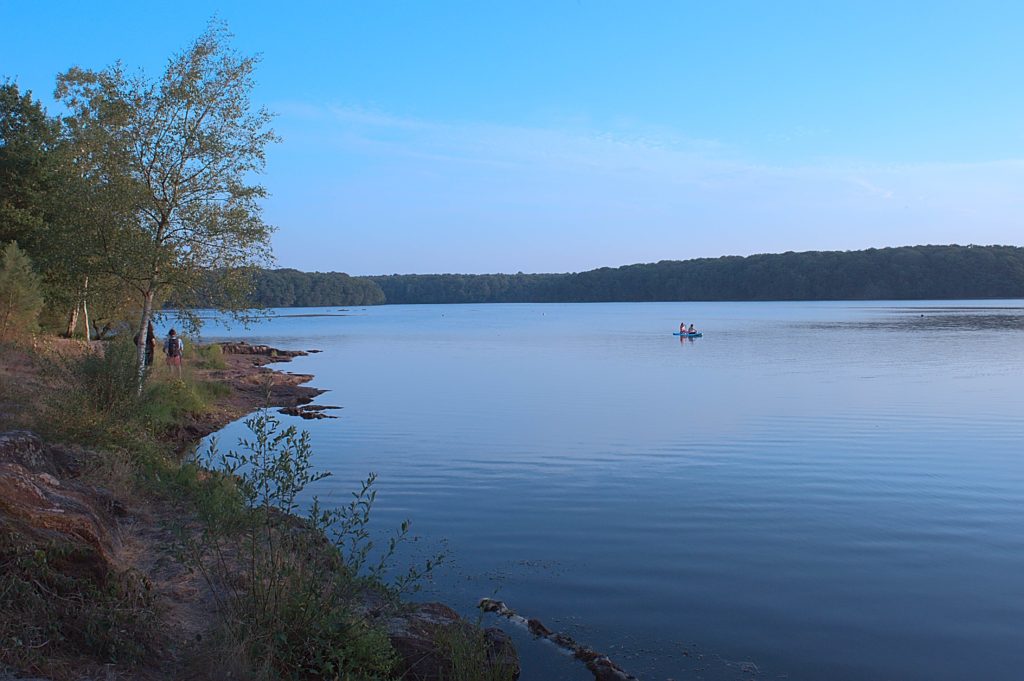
[{"x": 689, "y": 335}]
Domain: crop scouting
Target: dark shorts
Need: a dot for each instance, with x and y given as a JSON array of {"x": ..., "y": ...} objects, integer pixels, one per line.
[{"x": 174, "y": 361}]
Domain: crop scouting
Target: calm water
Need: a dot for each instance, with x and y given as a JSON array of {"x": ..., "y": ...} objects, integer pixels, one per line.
[{"x": 809, "y": 491}]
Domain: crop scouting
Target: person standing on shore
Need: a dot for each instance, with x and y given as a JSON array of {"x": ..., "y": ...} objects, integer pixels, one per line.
[{"x": 173, "y": 347}]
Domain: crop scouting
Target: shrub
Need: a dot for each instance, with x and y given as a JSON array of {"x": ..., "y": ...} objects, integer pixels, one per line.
[
  {"x": 108, "y": 379},
  {"x": 296, "y": 607},
  {"x": 209, "y": 357},
  {"x": 20, "y": 297},
  {"x": 95, "y": 399},
  {"x": 92, "y": 398}
]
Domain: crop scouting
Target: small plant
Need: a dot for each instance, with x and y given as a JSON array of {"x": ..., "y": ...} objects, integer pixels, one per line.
[
  {"x": 297, "y": 603},
  {"x": 93, "y": 399},
  {"x": 349, "y": 525},
  {"x": 469, "y": 655},
  {"x": 116, "y": 469}
]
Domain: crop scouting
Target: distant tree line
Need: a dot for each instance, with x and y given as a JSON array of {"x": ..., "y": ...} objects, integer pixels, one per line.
[
  {"x": 292, "y": 288},
  {"x": 904, "y": 273}
]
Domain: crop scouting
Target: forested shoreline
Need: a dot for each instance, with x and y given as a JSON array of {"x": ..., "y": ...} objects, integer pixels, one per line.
[
  {"x": 901, "y": 273},
  {"x": 292, "y": 288}
]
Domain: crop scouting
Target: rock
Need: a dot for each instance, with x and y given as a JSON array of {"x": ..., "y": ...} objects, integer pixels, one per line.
[
  {"x": 27, "y": 449},
  {"x": 309, "y": 411},
  {"x": 419, "y": 634},
  {"x": 537, "y": 628},
  {"x": 599, "y": 665},
  {"x": 37, "y": 508},
  {"x": 243, "y": 348}
]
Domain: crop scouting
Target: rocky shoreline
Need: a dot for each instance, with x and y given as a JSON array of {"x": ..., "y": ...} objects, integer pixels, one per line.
[
  {"x": 47, "y": 496},
  {"x": 253, "y": 386}
]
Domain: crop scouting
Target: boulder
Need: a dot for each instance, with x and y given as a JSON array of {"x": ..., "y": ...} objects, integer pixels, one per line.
[
  {"x": 243, "y": 348},
  {"x": 25, "y": 448},
  {"x": 40, "y": 508}
]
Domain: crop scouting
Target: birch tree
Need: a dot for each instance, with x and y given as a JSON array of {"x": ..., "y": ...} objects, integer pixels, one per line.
[{"x": 179, "y": 153}]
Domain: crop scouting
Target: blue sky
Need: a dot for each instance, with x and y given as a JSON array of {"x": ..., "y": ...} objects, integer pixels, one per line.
[{"x": 562, "y": 136}]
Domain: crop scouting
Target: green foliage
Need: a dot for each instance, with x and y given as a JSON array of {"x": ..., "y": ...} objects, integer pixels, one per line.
[
  {"x": 27, "y": 136},
  {"x": 349, "y": 525},
  {"x": 296, "y": 608},
  {"x": 214, "y": 493},
  {"x": 210, "y": 356},
  {"x": 99, "y": 405},
  {"x": 95, "y": 402},
  {"x": 271, "y": 472},
  {"x": 106, "y": 379},
  {"x": 165, "y": 400},
  {"x": 20, "y": 298},
  {"x": 49, "y": 609},
  {"x": 57, "y": 211}
]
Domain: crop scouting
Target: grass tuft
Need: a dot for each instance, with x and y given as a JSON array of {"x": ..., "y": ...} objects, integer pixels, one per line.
[
  {"x": 51, "y": 610},
  {"x": 209, "y": 357},
  {"x": 467, "y": 655}
]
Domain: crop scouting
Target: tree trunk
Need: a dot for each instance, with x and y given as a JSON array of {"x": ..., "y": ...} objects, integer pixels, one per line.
[
  {"x": 140, "y": 346},
  {"x": 72, "y": 321},
  {"x": 85, "y": 309},
  {"x": 5, "y": 316}
]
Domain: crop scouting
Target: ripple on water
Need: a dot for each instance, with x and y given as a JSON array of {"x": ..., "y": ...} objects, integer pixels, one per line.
[{"x": 842, "y": 499}]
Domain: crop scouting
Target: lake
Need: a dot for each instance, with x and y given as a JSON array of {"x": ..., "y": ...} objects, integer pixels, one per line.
[{"x": 810, "y": 491}]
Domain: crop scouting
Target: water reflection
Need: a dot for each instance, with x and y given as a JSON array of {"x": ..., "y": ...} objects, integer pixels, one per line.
[{"x": 934, "y": 319}]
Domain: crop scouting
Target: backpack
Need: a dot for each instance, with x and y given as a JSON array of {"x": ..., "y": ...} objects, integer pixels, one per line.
[{"x": 174, "y": 347}]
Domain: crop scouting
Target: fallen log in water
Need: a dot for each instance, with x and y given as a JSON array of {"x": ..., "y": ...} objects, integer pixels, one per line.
[{"x": 599, "y": 665}]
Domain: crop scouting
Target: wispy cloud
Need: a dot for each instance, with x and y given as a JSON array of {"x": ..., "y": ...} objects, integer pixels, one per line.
[
  {"x": 871, "y": 188},
  {"x": 443, "y": 187}
]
